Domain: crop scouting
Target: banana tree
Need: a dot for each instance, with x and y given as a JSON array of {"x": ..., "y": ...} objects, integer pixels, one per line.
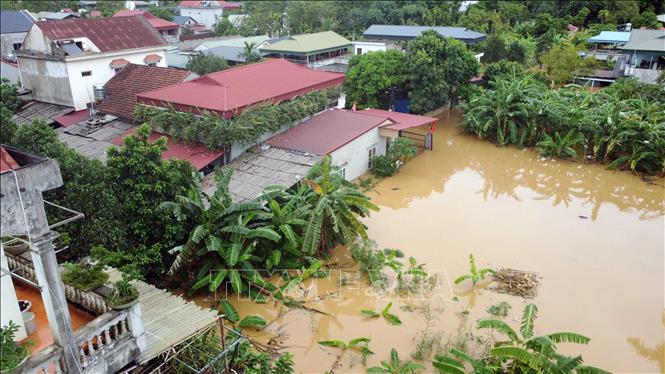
[
  {"x": 336, "y": 206},
  {"x": 222, "y": 243}
]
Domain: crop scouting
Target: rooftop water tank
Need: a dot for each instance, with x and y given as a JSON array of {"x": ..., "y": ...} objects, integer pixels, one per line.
[{"x": 99, "y": 91}]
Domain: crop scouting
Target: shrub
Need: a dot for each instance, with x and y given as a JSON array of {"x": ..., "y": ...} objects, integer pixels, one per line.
[
  {"x": 383, "y": 166},
  {"x": 84, "y": 276},
  {"x": 124, "y": 291},
  {"x": 12, "y": 353}
]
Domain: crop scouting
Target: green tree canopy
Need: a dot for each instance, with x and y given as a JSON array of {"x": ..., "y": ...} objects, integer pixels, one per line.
[
  {"x": 161, "y": 12},
  {"x": 495, "y": 49},
  {"x": 372, "y": 77},
  {"x": 437, "y": 67},
  {"x": 224, "y": 27},
  {"x": 206, "y": 63}
]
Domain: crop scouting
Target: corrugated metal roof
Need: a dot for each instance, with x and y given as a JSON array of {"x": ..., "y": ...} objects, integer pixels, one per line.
[
  {"x": 308, "y": 43},
  {"x": 199, "y": 4},
  {"x": 13, "y": 21},
  {"x": 402, "y": 120},
  {"x": 108, "y": 34},
  {"x": 646, "y": 40},
  {"x": 229, "y": 90},
  {"x": 327, "y": 132},
  {"x": 181, "y": 20},
  {"x": 230, "y": 53},
  {"x": 168, "y": 319},
  {"x": 400, "y": 32},
  {"x": 610, "y": 37},
  {"x": 37, "y": 110},
  {"x": 259, "y": 168},
  {"x": 232, "y": 42}
]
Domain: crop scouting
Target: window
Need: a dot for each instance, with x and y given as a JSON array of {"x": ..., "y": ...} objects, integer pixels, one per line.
[
  {"x": 342, "y": 172},
  {"x": 371, "y": 153},
  {"x": 359, "y": 51},
  {"x": 117, "y": 70},
  {"x": 151, "y": 64},
  {"x": 86, "y": 73},
  {"x": 16, "y": 46}
]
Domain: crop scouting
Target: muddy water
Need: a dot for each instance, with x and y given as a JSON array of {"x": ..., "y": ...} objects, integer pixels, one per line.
[{"x": 595, "y": 237}]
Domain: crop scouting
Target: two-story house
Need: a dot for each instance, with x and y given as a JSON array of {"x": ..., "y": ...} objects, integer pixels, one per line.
[
  {"x": 61, "y": 62},
  {"x": 206, "y": 12}
]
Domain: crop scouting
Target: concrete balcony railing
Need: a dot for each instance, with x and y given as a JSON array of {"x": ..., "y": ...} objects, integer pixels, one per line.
[
  {"x": 170, "y": 38},
  {"x": 343, "y": 59},
  {"x": 45, "y": 361}
]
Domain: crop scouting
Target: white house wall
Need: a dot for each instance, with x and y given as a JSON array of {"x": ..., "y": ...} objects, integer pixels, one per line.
[
  {"x": 205, "y": 16},
  {"x": 368, "y": 47},
  {"x": 354, "y": 156},
  {"x": 9, "y": 72},
  {"x": 36, "y": 41},
  {"x": 10, "y": 309},
  {"x": 81, "y": 87}
]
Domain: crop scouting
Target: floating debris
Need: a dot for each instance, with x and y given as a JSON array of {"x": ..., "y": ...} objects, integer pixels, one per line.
[{"x": 516, "y": 283}]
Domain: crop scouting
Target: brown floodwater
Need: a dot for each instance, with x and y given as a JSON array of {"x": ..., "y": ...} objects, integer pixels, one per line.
[{"x": 595, "y": 238}]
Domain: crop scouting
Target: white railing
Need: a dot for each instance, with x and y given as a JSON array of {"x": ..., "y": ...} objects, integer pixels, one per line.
[
  {"x": 343, "y": 59},
  {"x": 46, "y": 361},
  {"x": 170, "y": 38}
]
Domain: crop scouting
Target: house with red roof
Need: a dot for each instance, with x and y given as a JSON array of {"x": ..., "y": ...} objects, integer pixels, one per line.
[
  {"x": 61, "y": 62},
  {"x": 353, "y": 138},
  {"x": 206, "y": 12},
  {"x": 170, "y": 31},
  {"x": 228, "y": 92}
]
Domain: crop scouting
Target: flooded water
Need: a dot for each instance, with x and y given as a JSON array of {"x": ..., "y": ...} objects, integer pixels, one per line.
[{"x": 594, "y": 237}]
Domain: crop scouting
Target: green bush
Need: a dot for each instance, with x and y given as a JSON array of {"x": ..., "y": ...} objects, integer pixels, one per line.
[
  {"x": 12, "y": 352},
  {"x": 124, "y": 291},
  {"x": 382, "y": 166},
  {"x": 84, "y": 276}
]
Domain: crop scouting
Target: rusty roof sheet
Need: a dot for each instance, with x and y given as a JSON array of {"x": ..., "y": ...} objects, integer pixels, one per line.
[{"x": 108, "y": 34}]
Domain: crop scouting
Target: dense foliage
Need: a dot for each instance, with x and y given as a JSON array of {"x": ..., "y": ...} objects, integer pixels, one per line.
[
  {"x": 12, "y": 353},
  {"x": 206, "y": 63},
  {"x": 374, "y": 78},
  {"x": 623, "y": 125},
  {"x": 401, "y": 150},
  {"x": 235, "y": 242},
  {"x": 249, "y": 125}
]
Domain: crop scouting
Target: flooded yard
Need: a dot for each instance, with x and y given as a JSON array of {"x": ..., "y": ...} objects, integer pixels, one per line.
[{"x": 594, "y": 237}]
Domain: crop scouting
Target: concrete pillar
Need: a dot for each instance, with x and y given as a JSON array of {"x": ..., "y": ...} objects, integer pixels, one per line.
[
  {"x": 55, "y": 303},
  {"x": 136, "y": 326}
]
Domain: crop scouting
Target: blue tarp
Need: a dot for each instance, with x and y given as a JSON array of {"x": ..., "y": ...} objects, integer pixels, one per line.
[{"x": 611, "y": 37}]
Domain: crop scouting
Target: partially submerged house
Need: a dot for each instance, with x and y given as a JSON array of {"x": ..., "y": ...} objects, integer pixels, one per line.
[
  {"x": 75, "y": 331},
  {"x": 401, "y": 33},
  {"x": 61, "y": 62},
  {"x": 206, "y": 12},
  {"x": 170, "y": 31},
  {"x": 14, "y": 26},
  {"x": 353, "y": 138},
  {"x": 313, "y": 50}
]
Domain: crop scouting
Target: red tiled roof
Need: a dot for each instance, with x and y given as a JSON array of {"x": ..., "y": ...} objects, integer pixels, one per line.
[
  {"x": 402, "y": 120},
  {"x": 7, "y": 162},
  {"x": 197, "y": 3},
  {"x": 152, "y": 58},
  {"x": 108, "y": 34},
  {"x": 327, "y": 131},
  {"x": 121, "y": 90},
  {"x": 95, "y": 13},
  {"x": 72, "y": 118},
  {"x": 118, "y": 62},
  {"x": 158, "y": 23},
  {"x": 228, "y": 91},
  {"x": 196, "y": 153}
]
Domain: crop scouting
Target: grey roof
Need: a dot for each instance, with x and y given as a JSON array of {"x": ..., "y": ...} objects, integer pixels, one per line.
[
  {"x": 94, "y": 144},
  {"x": 180, "y": 20},
  {"x": 35, "y": 110},
  {"x": 177, "y": 60},
  {"x": 398, "y": 32},
  {"x": 259, "y": 168},
  {"x": 55, "y": 15},
  {"x": 168, "y": 319},
  {"x": 230, "y": 53},
  {"x": 14, "y": 21},
  {"x": 646, "y": 40}
]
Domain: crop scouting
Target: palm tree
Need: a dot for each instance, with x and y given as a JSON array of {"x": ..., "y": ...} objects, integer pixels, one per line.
[
  {"x": 249, "y": 53},
  {"x": 335, "y": 208},
  {"x": 222, "y": 238}
]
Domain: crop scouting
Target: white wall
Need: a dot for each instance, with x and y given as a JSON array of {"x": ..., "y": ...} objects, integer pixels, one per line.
[
  {"x": 354, "y": 157},
  {"x": 368, "y": 47},
  {"x": 206, "y": 16},
  {"x": 10, "y": 310},
  {"x": 81, "y": 87},
  {"x": 9, "y": 72}
]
